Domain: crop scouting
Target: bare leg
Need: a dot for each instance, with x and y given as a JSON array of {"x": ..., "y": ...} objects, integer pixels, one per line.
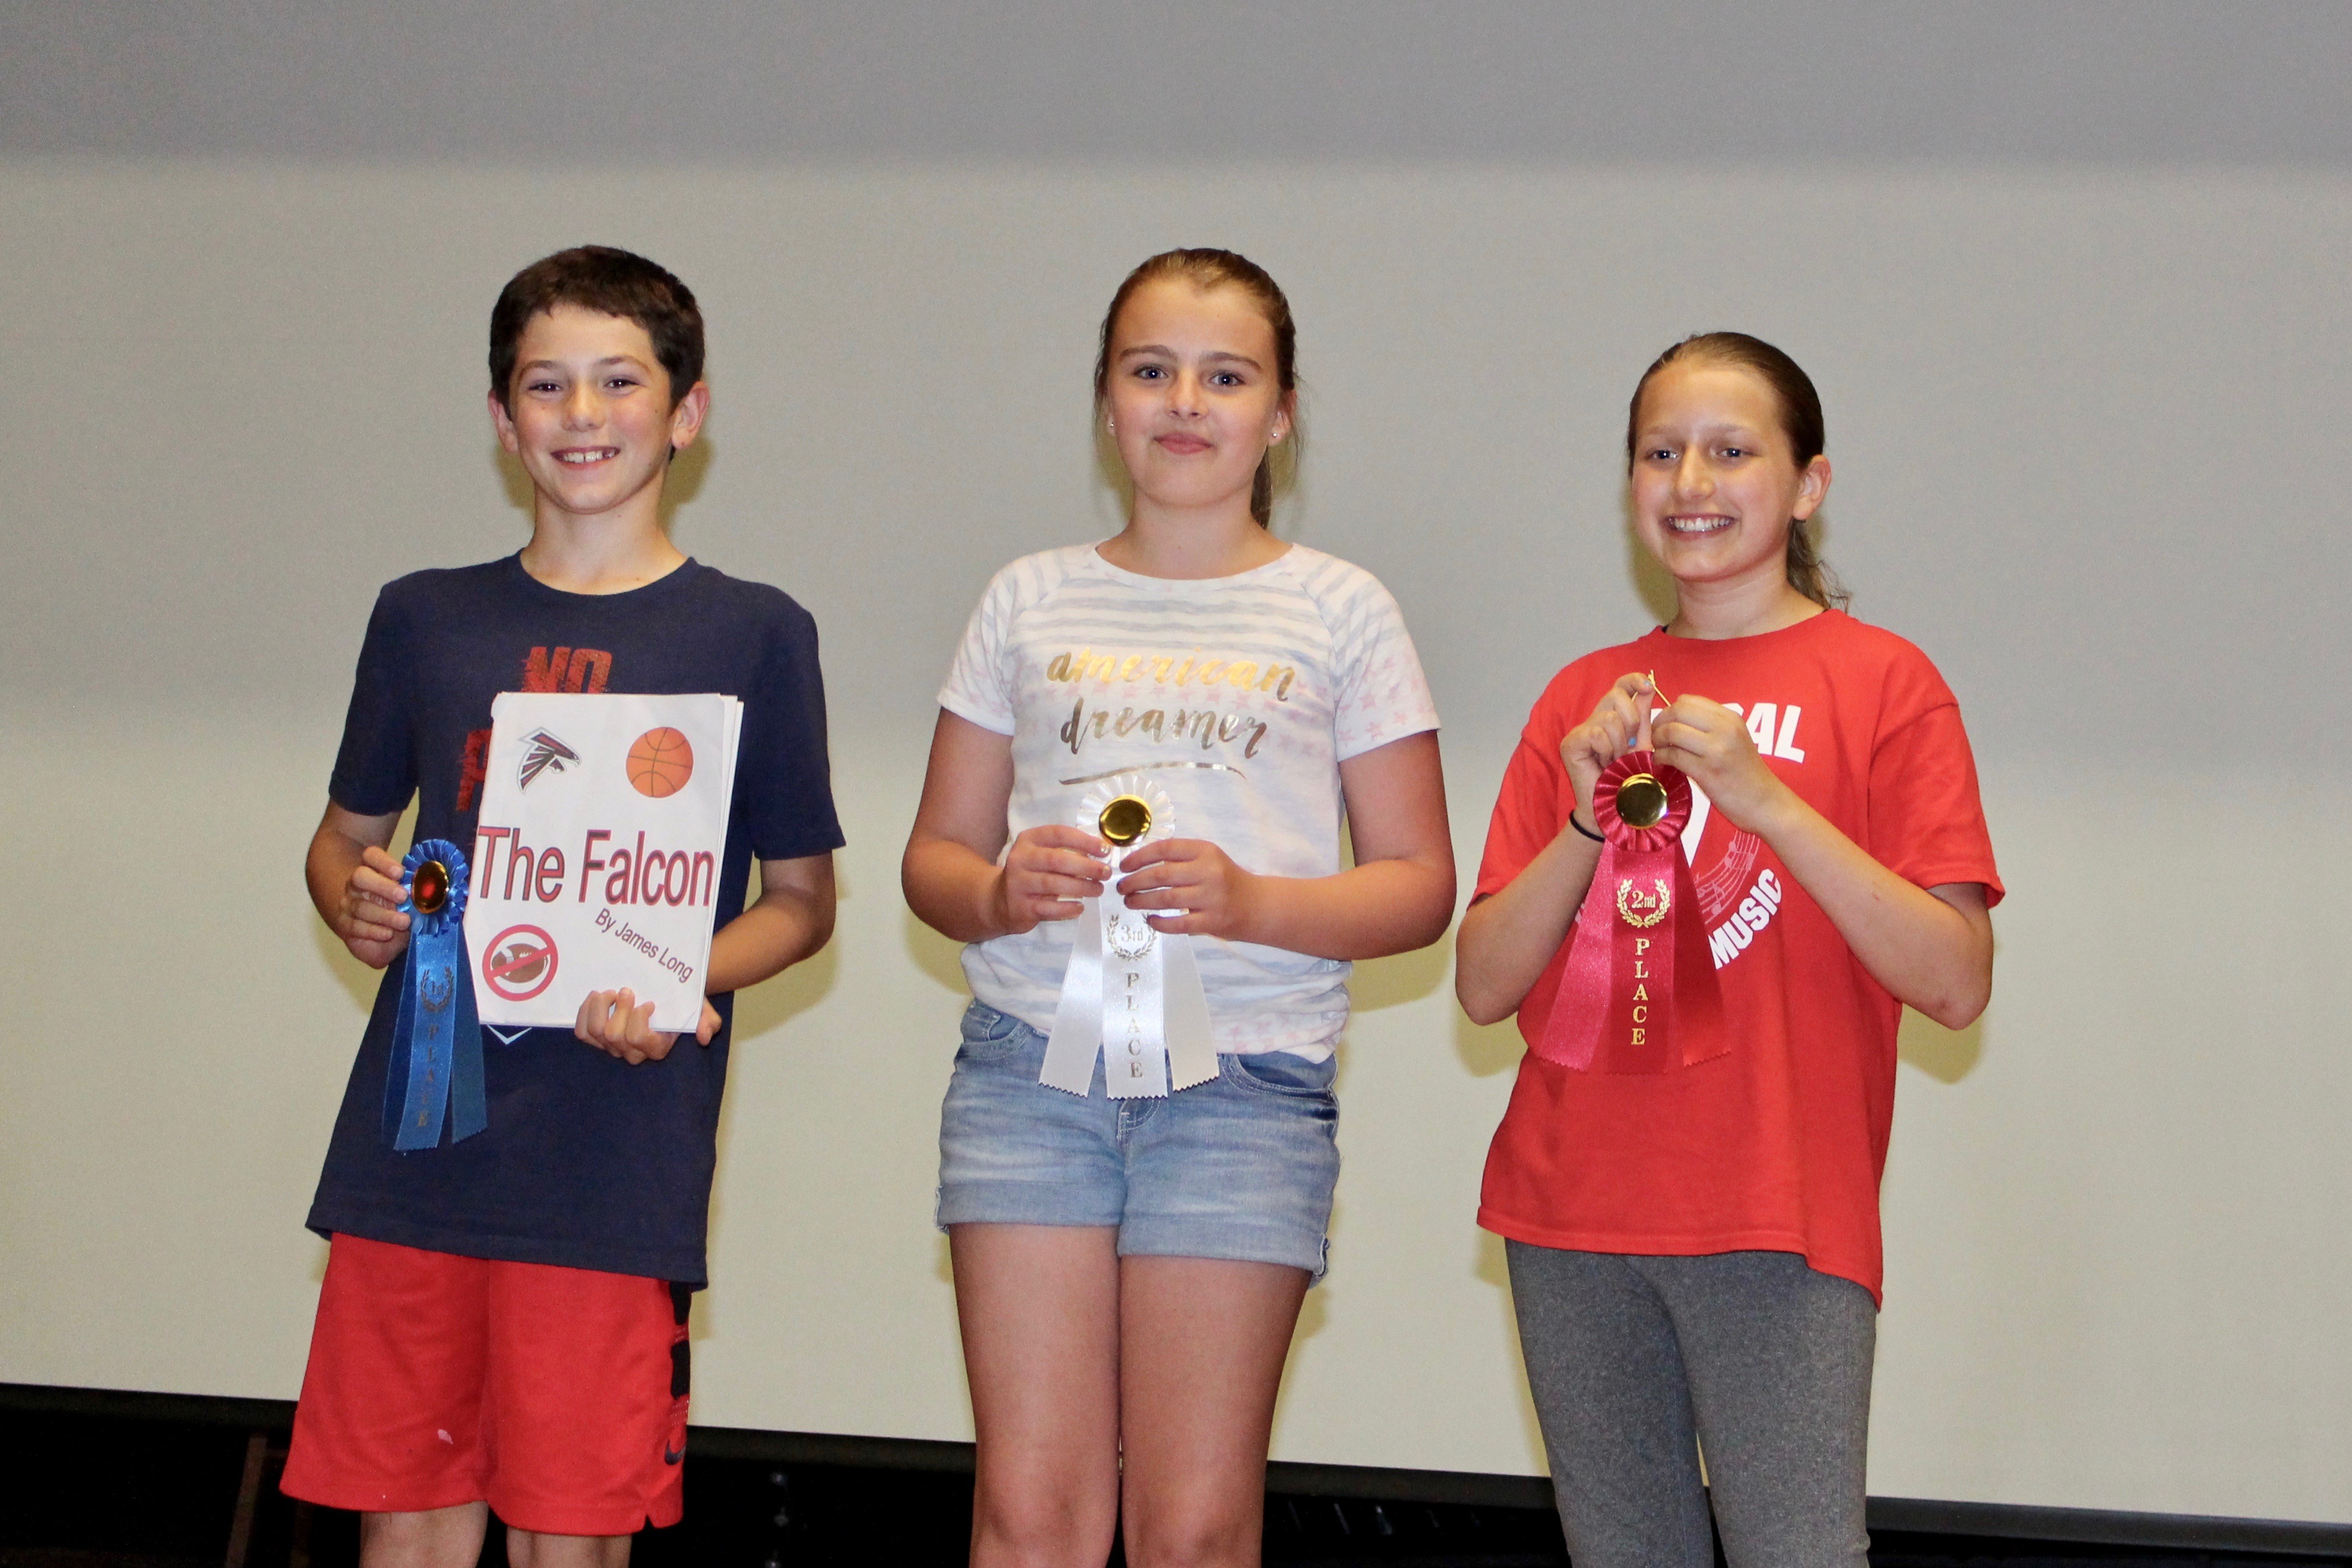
[
  {"x": 529, "y": 1549},
  {"x": 433, "y": 1537},
  {"x": 1039, "y": 1308},
  {"x": 1201, "y": 1345}
]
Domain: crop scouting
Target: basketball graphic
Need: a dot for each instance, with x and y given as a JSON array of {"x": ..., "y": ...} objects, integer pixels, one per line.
[{"x": 660, "y": 763}]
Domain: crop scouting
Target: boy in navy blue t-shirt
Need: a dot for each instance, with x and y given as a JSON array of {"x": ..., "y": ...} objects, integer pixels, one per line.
[{"x": 502, "y": 1324}]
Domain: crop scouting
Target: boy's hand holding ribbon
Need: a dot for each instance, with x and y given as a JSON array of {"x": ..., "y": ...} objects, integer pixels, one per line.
[{"x": 367, "y": 915}]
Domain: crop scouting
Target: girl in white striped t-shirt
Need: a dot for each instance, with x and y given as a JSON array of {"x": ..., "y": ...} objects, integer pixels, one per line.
[{"x": 1128, "y": 1269}]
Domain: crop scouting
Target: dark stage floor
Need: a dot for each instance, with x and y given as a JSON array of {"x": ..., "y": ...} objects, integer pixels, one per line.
[{"x": 159, "y": 1486}]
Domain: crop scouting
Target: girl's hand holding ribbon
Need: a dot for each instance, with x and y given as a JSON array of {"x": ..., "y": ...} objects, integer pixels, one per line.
[
  {"x": 1620, "y": 723},
  {"x": 1191, "y": 887},
  {"x": 1046, "y": 873},
  {"x": 369, "y": 919},
  {"x": 1711, "y": 743},
  {"x": 618, "y": 1024}
]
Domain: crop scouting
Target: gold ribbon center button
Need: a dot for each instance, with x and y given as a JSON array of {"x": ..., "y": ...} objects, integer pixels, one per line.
[
  {"x": 428, "y": 889},
  {"x": 1125, "y": 819},
  {"x": 1640, "y": 801}
]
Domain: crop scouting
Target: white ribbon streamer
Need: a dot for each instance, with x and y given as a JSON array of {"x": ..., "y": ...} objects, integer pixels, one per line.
[{"x": 1132, "y": 995}]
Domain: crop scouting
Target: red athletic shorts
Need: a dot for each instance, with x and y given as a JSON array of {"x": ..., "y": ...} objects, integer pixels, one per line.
[{"x": 557, "y": 1396}]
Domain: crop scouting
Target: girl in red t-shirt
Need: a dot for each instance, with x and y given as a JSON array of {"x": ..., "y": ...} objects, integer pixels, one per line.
[{"x": 1694, "y": 1236}]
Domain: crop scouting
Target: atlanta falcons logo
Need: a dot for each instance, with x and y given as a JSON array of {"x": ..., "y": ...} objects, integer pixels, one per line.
[{"x": 541, "y": 752}]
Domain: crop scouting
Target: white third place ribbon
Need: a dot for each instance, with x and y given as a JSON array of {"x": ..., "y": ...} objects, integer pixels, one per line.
[{"x": 1133, "y": 994}]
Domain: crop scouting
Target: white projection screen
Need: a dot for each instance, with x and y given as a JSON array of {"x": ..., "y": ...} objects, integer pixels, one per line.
[{"x": 2084, "y": 354}]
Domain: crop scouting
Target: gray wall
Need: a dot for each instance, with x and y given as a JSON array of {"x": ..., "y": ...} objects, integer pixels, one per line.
[{"x": 2146, "y": 83}]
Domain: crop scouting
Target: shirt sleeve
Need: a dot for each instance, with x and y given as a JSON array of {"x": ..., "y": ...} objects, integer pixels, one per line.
[
  {"x": 1532, "y": 805},
  {"x": 785, "y": 769},
  {"x": 376, "y": 767},
  {"x": 1926, "y": 821},
  {"x": 1382, "y": 694},
  {"x": 980, "y": 682}
]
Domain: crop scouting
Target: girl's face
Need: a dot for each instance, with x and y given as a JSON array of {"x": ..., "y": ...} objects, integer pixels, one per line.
[
  {"x": 1191, "y": 396},
  {"x": 1715, "y": 483}
]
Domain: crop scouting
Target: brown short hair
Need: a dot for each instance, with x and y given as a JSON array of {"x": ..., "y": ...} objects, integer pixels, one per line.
[
  {"x": 1208, "y": 269},
  {"x": 613, "y": 283},
  {"x": 1800, "y": 422}
]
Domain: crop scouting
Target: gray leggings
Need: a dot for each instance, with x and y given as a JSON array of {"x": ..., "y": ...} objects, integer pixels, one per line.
[{"x": 1638, "y": 1362}]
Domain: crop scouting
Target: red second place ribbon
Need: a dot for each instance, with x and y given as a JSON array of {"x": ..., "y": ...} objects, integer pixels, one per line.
[{"x": 1639, "y": 993}]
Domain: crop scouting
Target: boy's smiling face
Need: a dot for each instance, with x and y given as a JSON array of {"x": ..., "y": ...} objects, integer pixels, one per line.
[{"x": 590, "y": 413}]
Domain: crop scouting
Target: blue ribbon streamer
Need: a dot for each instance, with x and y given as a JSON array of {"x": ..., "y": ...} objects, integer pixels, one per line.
[{"x": 436, "y": 1043}]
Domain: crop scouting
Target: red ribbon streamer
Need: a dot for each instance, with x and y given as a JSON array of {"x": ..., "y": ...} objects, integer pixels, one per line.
[{"x": 1638, "y": 994}]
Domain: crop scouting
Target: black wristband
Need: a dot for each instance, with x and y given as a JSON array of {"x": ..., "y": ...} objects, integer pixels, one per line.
[{"x": 1587, "y": 833}]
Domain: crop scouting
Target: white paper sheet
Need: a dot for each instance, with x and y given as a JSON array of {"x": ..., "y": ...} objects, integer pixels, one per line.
[{"x": 595, "y": 860}]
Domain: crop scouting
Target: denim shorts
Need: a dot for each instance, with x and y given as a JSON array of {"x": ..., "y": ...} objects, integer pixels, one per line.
[{"x": 1240, "y": 1167}]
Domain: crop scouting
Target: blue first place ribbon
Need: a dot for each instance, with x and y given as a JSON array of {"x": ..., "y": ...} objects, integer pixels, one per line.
[{"x": 437, "y": 1045}]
